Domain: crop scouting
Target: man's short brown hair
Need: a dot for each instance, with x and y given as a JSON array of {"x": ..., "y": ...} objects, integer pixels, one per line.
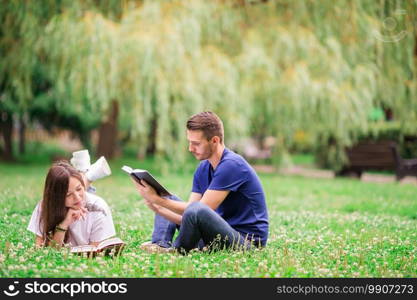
[{"x": 209, "y": 123}]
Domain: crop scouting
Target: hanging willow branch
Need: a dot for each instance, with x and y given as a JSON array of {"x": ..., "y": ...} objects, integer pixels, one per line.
[{"x": 271, "y": 69}]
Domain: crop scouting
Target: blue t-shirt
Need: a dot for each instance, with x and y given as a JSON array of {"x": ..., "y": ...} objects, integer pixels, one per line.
[{"x": 244, "y": 208}]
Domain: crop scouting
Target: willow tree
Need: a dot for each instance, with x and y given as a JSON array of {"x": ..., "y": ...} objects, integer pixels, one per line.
[
  {"x": 24, "y": 84},
  {"x": 270, "y": 69},
  {"x": 312, "y": 74},
  {"x": 154, "y": 61},
  {"x": 178, "y": 66},
  {"x": 20, "y": 71}
]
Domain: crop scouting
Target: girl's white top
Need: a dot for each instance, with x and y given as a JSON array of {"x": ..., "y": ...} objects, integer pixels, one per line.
[{"x": 95, "y": 227}]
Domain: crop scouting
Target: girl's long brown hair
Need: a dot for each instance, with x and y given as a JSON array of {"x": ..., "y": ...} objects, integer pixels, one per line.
[{"x": 53, "y": 209}]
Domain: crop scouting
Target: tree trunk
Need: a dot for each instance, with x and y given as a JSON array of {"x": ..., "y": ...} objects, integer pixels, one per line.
[
  {"x": 6, "y": 127},
  {"x": 85, "y": 139},
  {"x": 22, "y": 131},
  {"x": 151, "y": 149},
  {"x": 108, "y": 133}
]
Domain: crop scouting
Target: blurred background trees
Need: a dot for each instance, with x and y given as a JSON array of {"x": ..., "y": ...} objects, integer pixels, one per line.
[{"x": 314, "y": 76}]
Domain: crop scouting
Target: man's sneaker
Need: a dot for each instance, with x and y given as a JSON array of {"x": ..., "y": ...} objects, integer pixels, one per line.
[{"x": 155, "y": 248}]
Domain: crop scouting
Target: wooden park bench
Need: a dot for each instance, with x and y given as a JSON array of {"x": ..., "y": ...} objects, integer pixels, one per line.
[{"x": 378, "y": 155}]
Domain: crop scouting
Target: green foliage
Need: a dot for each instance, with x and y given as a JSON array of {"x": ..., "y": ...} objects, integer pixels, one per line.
[
  {"x": 25, "y": 85},
  {"x": 405, "y": 134},
  {"x": 395, "y": 131},
  {"x": 331, "y": 155},
  {"x": 318, "y": 228},
  {"x": 41, "y": 153},
  {"x": 270, "y": 69},
  {"x": 48, "y": 112}
]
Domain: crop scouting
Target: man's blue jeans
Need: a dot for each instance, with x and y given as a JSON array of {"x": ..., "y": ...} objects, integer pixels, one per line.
[
  {"x": 163, "y": 229},
  {"x": 200, "y": 227}
]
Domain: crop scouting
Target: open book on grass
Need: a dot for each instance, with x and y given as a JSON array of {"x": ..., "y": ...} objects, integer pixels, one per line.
[
  {"x": 113, "y": 246},
  {"x": 138, "y": 174}
]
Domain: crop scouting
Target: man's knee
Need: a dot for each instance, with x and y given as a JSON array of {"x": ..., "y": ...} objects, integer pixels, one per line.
[{"x": 195, "y": 211}]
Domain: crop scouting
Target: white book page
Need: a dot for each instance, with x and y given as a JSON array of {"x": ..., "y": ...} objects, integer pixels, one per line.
[
  {"x": 110, "y": 241},
  {"x": 130, "y": 170},
  {"x": 83, "y": 248}
]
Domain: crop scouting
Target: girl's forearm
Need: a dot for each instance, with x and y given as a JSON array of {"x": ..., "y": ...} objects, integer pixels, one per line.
[{"x": 59, "y": 235}]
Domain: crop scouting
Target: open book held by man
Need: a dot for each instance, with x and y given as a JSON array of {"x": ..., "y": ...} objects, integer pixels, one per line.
[{"x": 139, "y": 174}]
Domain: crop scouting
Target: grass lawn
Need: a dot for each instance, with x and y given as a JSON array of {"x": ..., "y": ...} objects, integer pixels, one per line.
[{"x": 318, "y": 228}]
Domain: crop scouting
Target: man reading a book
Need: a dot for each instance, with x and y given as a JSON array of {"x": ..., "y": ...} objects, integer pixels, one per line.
[{"x": 226, "y": 208}]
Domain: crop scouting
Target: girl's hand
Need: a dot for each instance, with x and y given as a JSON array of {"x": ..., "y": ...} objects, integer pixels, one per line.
[{"x": 72, "y": 216}]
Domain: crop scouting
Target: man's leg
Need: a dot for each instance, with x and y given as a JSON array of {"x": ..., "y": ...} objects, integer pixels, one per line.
[
  {"x": 164, "y": 230},
  {"x": 201, "y": 222}
]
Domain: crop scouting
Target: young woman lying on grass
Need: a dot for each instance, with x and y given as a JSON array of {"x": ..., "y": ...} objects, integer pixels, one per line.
[{"x": 67, "y": 213}]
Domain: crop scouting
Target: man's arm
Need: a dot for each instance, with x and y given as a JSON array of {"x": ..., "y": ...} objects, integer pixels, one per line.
[
  {"x": 177, "y": 207},
  {"x": 168, "y": 214},
  {"x": 213, "y": 198},
  {"x": 194, "y": 197}
]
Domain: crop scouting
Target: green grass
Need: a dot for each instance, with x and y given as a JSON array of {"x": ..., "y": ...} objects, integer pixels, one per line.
[
  {"x": 304, "y": 159},
  {"x": 318, "y": 228}
]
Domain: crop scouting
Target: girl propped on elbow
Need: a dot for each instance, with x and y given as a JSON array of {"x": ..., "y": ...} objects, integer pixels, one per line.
[{"x": 67, "y": 214}]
